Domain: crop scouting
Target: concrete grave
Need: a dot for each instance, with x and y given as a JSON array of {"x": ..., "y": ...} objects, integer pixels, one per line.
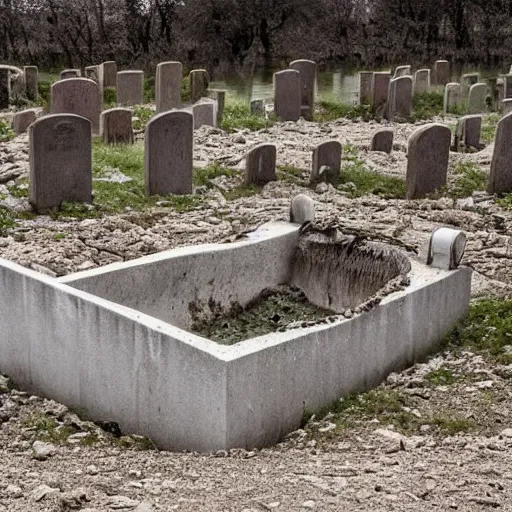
[
  {"x": 260, "y": 165},
  {"x": 382, "y": 140},
  {"x": 400, "y": 98},
  {"x": 365, "y": 87},
  {"x": 427, "y": 159},
  {"x": 466, "y": 82},
  {"x": 116, "y": 341},
  {"x": 168, "y": 85},
  {"x": 169, "y": 153},
  {"x": 116, "y": 126},
  {"x": 60, "y": 161},
  {"x": 5, "y": 88},
  {"x": 477, "y": 99},
  {"x": 70, "y": 73},
  {"x": 205, "y": 113},
  {"x": 452, "y": 97},
  {"x": 327, "y": 154},
  {"x": 199, "y": 81},
  {"x": 79, "y": 96},
  {"x": 108, "y": 72},
  {"x": 130, "y": 88},
  {"x": 421, "y": 81},
  {"x": 307, "y": 70},
  {"x": 441, "y": 72},
  {"x": 31, "y": 82},
  {"x": 22, "y": 120},
  {"x": 93, "y": 73},
  {"x": 402, "y": 71},
  {"x": 287, "y": 95},
  {"x": 500, "y": 179},
  {"x": 467, "y": 132},
  {"x": 380, "y": 89}
]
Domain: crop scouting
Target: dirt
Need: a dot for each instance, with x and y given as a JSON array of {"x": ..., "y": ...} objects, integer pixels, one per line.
[{"x": 456, "y": 456}]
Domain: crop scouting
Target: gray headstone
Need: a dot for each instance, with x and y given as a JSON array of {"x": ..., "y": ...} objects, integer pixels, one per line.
[
  {"x": 327, "y": 154},
  {"x": 130, "y": 87},
  {"x": 79, "y": 96},
  {"x": 205, "y": 113},
  {"x": 452, "y": 97},
  {"x": 467, "y": 132},
  {"x": 402, "y": 71},
  {"x": 93, "y": 73},
  {"x": 220, "y": 97},
  {"x": 116, "y": 126},
  {"x": 422, "y": 81},
  {"x": 466, "y": 82},
  {"x": 60, "y": 161},
  {"x": 258, "y": 107},
  {"x": 427, "y": 159},
  {"x": 380, "y": 89},
  {"x": 260, "y": 166},
  {"x": 109, "y": 73},
  {"x": 500, "y": 179},
  {"x": 400, "y": 98},
  {"x": 199, "y": 81},
  {"x": 307, "y": 70},
  {"x": 22, "y": 120},
  {"x": 441, "y": 72},
  {"x": 494, "y": 92},
  {"x": 169, "y": 153},
  {"x": 476, "y": 99},
  {"x": 365, "y": 87},
  {"x": 168, "y": 86},
  {"x": 70, "y": 73},
  {"x": 506, "y": 105},
  {"x": 287, "y": 95},
  {"x": 31, "y": 81},
  {"x": 382, "y": 140},
  {"x": 5, "y": 88}
]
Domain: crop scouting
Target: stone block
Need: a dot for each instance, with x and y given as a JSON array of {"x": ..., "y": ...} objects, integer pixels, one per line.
[
  {"x": 287, "y": 95},
  {"x": 130, "y": 88},
  {"x": 109, "y": 73},
  {"x": 402, "y": 71},
  {"x": 79, "y": 96},
  {"x": 168, "y": 86},
  {"x": 219, "y": 95},
  {"x": 307, "y": 70},
  {"x": 441, "y": 72},
  {"x": 60, "y": 161},
  {"x": 400, "y": 98},
  {"x": 169, "y": 153},
  {"x": 199, "y": 80},
  {"x": 22, "y": 120},
  {"x": 466, "y": 82},
  {"x": 477, "y": 99},
  {"x": 260, "y": 166},
  {"x": 467, "y": 132},
  {"x": 365, "y": 87},
  {"x": 380, "y": 89},
  {"x": 427, "y": 159},
  {"x": 31, "y": 82},
  {"x": 70, "y": 73},
  {"x": 421, "y": 81},
  {"x": 382, "y": 140},
  {"x": 327, "y": 154},
  {"x": 116, "y": 126},
  {"x": 452, "y": 97},
  {"x": 205, "y": 113},
  {"x": 500, "y": 179}
]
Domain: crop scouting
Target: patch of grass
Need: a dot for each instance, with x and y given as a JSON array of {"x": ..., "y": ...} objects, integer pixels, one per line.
[
  {"x": 6, "y": 132},
  {"x": 138, "y": 443},
  {"x": 6, "y": 221},
  {"x": 185, "y": 89},
  {"x": 20, "y": 189},
  {"x": 149, "y": 89},
  {"x": 469, "y": 179},
  {"x": 142, "y": 115},
  {"x": 46, "y": 428},
  {"x": 109, "y": 96},
  {"x": 290, "y": 174},
  {"x": 204, "y": 175},
  {"x": 488, "y": 130},
  {"x": 238, "y": 115},
  {"x": 330, "y": 110},
  {"x": 241, "y": 191},
  {"x": 440, "y": 377},
  {"x": 426, "y": 105},
  {"x": 451, "y": 425},
  {"x": 44, "y": 93},
  {"x": 458, "y": 110},
  {"x": 486, "y": 328}
]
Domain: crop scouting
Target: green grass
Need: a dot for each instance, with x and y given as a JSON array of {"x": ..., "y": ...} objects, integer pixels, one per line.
[
  {"x": 149, "y": 89},
  {"x": 109, "y": 97},
  {"x": 237, "y": 115},
  {"x": 242, "y": 191},
  {"x": 45, "y": 428},
  {"x": 143, "y": 115},
  {"x": 7, "y": 221},
  {"x": 440, "y": 377},
  {"x": 290, "y": 174},
  {"x": 185, "y": 89},
  {"x": 204, "y": 175},
  {"x": 469, "y": 179},
  {"x": 6, "y": 132},
  {"x": 331, "y": 110},
  {"x": 488, "y": 130},
  {"x": 426, "y": 105}
]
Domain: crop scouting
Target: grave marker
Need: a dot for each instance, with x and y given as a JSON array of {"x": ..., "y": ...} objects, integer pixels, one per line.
[
  {"x": 22, "y": 120},
  {"x": 452, "y": 97},
  {"x": 380, "y": 89},
  {"x": 477, "y": 99},
  {"x": 199, "y": 81},
  {"x": 168, "y": 85},
  {"x": 365, "y": 87},
  {"x": 307, "y": 70},
  {"x": 441, "y": 72},
  {"x": 70, "y": 73},
  {"x": 116, "y": 124},
  {"x": 467, "y": 132},
  {"x": 326, "y": 154},
  {"x": 382, "y": 140},
  {"x": 31, "y": 81},
  {"x": 205, "y": 113},
  {"x": 260, "y": 166},
  {"x": 422, "y": 81},
  {"x": 287, "y": 95},
  {"x": 130, "y": 87},
  {"x": 400, "y": 98},
  {"x": 500, "y": 179}
]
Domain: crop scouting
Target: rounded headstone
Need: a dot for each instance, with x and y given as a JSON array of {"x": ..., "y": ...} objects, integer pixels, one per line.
[
  {"x": 382, "y": 140},
  {"x": 500, "y": 179},
  {"x": 168, "y": 85},
  {"x": 260, "y": 164},
  {"x": 287, "y": 95},
  {"x": 116, "y": 126},
  {"x": 22, "y": 120},
  {"x": 130, "y": 87}
]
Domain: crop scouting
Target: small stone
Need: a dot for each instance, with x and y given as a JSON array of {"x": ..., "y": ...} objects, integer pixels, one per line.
[
  {"x": 239, "y": 139},
  {"x": 41, "y": 492},
  {"x": 92, "y": 470},
  {"x": 41, "y": 451},
  {"x": 506, "y": 432},
  {"x": 74, "y": 499},
  {"x": 145, "y": 506},
  {"x": 120, "y": 502},
  {"x": 309, "y": 504},
  {"x": 13, "y": 491}
]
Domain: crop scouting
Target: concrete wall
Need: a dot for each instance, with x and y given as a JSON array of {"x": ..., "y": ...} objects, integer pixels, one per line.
[{"x": 163, "y": 285}]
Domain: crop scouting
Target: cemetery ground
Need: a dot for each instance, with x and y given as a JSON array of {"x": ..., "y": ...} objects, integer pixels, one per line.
[{"x": 436, "y": 436}]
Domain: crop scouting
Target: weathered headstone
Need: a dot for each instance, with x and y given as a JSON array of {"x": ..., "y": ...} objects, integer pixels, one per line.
[
  {"x": 476, "y": 99},
  {"x": 5, "y": 88},
  {"x": 92, "y": 72},
  {"x": 205, "y": 113},
  {"x": 168, "y": 86},
  {"x": 400, "y": 98},
  {"x": 493, "y": 93},
  {"x": 327, "y": 154},
  {"x": 402, "y": 71},
  {"x": 287, "y": 95},
  {"x": 70, "y": 73},
  {"x": 382, "y": 140},
  {"x": 467, "y": 132},
  {"x": 169, "y": 153},
  {"x": 116, "y": 126},
  {"x": 260, "y": 165},
  {"x": 307, "y": 70},
  {"x": 108, "y": 71},
  {"x": 258, "y": 107},
  {"x": 506, "y": 105},
  {"x": 31, "y": 81},
  {"x": 130, "y": 87},
  {"x": 452, "y": 97},
  {"x": 466, "y": 82},
  {"x": 365, "y": 87},
  {"x": 60, "y": 161},
  {"x": 78, "y": 96},
  {"x": 421, "y": 81},
  {"x": 500, "y": 179},
  {"x": 427, "y": 159},
  {"x": 441, "y": 72},
  {"x": 380, "y": 89},
  {"x": 199, "y": 81},
  {"x": 22, "y": 120},
  {"x": 220, "y": 97}
]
